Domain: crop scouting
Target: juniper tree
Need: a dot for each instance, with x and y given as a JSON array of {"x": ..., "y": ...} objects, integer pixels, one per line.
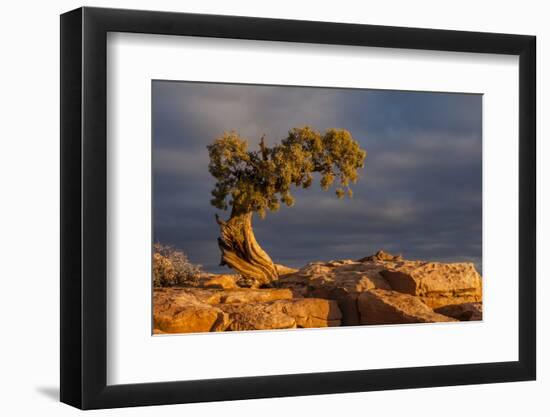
[{"x": 254, "y": 181}]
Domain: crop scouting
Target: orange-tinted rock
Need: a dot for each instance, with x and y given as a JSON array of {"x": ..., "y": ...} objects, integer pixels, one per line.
[
  {"x": 462, "y": 312},
  {"x": 190, "y": 310},
  {"x": 392, "y": 307},
  {"x": 282, "y": 314},
  {"x": 346, "y": 275},
  {"x": 437, "y": 284},
  {"x": 221, "y": 281},
  {"x": 249, "y": 295},
  {"x": 340, "y": 280},
  {"x": 378, "y": 289},
  {"x": 239, "y": 295},
  {"x": 311, "y": 312},
  {"x": 381, "y": 256},
  {"x": 181, "y": 312},
  {"x": 257, "y": 316}
]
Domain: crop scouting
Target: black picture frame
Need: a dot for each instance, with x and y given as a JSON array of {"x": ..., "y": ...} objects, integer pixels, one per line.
[{"x": 84, "y": 207}]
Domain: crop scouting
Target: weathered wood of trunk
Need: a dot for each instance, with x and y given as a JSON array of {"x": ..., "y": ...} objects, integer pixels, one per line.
[{"x": 241, "y": 252}]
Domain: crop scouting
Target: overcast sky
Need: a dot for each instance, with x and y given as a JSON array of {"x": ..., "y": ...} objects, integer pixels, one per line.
[{"x": 419, "y": 194}]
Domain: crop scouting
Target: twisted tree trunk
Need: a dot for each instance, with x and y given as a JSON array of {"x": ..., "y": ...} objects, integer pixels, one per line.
[{"x": 241, "y": 251}]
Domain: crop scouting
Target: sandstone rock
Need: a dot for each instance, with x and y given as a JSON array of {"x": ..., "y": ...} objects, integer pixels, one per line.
[
  {"x": 221, "y": 281},
  {"x": 190, "y": 310},
  {"x": 257, "y": 316},
  {"x": 311, "y": 312},
  {"x": 190, "y": 319},
  {"x": 240, "y": 295},
  {"x": 378, "y": 289},
  {"x": 181, "y": 312},
  {"x": 391, "y": 307},
  {"x": 381, "y": 256},
  {"x": 245, "y": 295},
  {"x": 347, "y": 276},
  {"x": 340, "y": 280},
  {"x": 216, "y": 296},
  {"x": 437, "y": 284},
  {"x": 462, "y": 312},
  {"x": 282, "y": 314},
  {"x": 339, "y": 262}
]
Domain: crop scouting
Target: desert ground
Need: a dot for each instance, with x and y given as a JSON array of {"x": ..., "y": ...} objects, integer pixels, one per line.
[{"x": 375, "y": 290}]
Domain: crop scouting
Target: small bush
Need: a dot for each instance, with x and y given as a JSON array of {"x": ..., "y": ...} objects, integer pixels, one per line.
[{"x": 172, "y": 268}]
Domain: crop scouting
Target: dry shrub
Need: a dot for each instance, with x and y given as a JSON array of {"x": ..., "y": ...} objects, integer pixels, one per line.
[{"x": 172, "y": 268}]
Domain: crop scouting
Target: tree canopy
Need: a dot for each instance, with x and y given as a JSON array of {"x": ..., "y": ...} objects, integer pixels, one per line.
[{"x": 260, "y": 180}]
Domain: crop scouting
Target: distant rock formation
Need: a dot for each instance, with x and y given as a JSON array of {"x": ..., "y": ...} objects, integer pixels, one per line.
[{"x": 378, "y": 289}]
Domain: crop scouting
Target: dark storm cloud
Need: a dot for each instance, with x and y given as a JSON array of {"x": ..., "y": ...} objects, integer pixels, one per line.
[{"x": 419, "y": 195}]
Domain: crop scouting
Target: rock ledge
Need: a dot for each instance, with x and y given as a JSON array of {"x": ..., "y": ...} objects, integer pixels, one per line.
[{"x": 377, "y": 289}]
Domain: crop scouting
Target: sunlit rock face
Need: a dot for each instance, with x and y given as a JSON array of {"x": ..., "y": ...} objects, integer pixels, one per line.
[{"x": 377, "y": 289}]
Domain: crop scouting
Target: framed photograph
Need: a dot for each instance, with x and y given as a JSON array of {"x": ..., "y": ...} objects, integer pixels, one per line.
[{"x": 259, "y": 208}]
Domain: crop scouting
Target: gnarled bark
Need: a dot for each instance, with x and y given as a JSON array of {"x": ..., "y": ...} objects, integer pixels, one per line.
[{"x": 241, "y": 251}]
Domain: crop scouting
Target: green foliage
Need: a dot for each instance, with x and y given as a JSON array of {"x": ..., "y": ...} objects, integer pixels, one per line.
[
  {"x": 261, "y": 180},
  {"x": 172, "y": 268}
]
